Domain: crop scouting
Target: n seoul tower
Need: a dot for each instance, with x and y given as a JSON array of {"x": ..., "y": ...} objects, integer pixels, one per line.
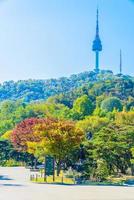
[{"x": 97, "y": 46}]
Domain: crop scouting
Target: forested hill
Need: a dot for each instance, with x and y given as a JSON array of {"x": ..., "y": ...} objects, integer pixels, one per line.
[
  {"x": 89, "y": 116},
  {"x": 33, "y": 90}
]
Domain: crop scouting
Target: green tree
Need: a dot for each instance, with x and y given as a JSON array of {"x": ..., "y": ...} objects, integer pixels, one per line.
[
  {"x": 113, "y": 144},
  {"x": 82, "y": 107},
  {"x": 101, "y": 171},
  {"x": 7, "y": 153},
  {"x": 92, "y": 124},
  {"x": 111, "y": 103}
]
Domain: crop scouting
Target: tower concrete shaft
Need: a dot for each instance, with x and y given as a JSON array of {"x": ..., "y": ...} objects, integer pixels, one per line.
[{"x": 97, "y": 61}]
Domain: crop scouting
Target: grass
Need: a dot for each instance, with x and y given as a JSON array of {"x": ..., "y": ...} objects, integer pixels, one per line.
[
  {"x": 120, "y": 180},
  {"x": 64, "y": 179}
]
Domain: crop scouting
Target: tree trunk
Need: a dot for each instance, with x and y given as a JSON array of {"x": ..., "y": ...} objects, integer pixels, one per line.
[
  {"x": 54, "y": 170},
  {"x": 58, "y": 168},
  {"x": 35, "y": 163},
  {"x": 132, "y": 169},
  {"x": 45, "y": 169}
]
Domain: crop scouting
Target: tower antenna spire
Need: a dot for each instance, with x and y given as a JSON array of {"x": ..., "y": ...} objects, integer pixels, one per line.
[
  {"x": 97, "y": 22},
  {"x": 97, "y": 46}
]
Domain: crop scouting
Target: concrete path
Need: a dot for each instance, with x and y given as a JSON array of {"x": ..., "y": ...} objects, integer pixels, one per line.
[{"x": 15, "y": 185}]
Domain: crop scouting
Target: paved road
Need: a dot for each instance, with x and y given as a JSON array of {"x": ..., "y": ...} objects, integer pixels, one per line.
[{"x": 15, "y": 185}]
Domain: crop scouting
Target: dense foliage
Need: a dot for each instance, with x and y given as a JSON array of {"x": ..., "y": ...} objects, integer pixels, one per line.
[
  {"x": 9, "y": 156},
  {"x": 111, "y": 103},
  {"x": 85, "y": 122},
  {"x": 32, "y": 90}
]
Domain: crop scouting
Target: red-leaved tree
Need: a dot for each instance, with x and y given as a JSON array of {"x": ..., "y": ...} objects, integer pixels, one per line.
[{"x": 24, "y": 132}]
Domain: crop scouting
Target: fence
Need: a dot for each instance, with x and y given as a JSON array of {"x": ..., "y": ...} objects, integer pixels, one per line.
[{"x": 37, "y": 176}]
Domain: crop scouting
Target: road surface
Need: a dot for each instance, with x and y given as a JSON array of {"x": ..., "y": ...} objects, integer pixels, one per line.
[{"x": 15, "y": 185}]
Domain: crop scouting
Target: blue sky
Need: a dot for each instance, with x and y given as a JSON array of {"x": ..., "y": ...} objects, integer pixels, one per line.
[{"x": 52, "y": 38}]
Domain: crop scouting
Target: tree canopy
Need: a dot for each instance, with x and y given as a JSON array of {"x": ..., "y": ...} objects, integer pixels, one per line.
[
  {"x": 85, "y": 122},
  {"x": 111, "y": 103}
]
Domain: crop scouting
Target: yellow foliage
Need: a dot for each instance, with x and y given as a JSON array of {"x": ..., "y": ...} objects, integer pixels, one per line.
[
  {"x": 125, "y": 118},
  {"x": 6, "y": 135}
]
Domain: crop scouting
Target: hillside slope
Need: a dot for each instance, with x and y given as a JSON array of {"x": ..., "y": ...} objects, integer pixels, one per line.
[{"x": 33, "y": 90}]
